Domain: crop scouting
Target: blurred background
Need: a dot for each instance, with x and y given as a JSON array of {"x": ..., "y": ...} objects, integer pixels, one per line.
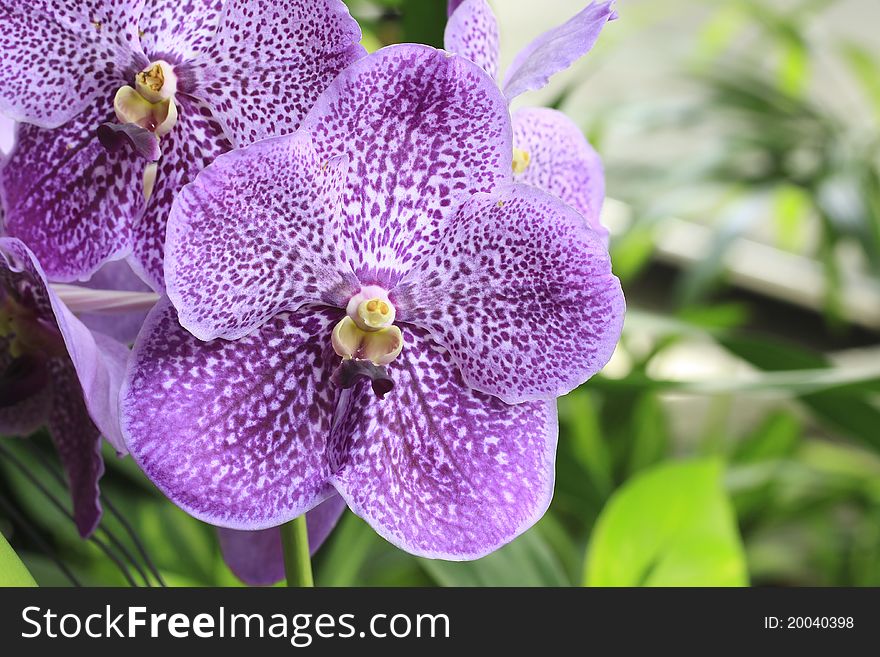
[{"x": 734, "y": 439}]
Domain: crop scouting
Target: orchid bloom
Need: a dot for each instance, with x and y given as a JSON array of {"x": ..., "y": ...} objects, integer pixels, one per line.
[
  {"x": 383, "y": 250},
  {"x": 550, "y": 151},
  {"x": 106, "y": 87},
  {"x": 53, "y": 370}
]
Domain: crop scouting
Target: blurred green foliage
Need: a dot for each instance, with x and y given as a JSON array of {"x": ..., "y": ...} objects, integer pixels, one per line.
[{"x": 664, "y": 477}]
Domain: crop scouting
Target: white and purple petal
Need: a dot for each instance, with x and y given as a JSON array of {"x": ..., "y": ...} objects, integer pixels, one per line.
[
  {"x": 438, "y": 469},
  {"x": 257, "y": 557},
  {"x": 270, "y": 60},
  {"x": 68, "y": 198},
  {"x": 521, "y": 292},
  {"x": 421, "y": 128},
  {"x": 176, "y": 30},
  {"x": 253, "y": 236},
  {"x": 557, "y": 49},
  {"x": 562, "y": 161},
  {"x": 472, "y": 32},
  {"x": 63, "y": 56},
  {"x": 193, "y": 144},
  {"x": 234, "y": 433}
]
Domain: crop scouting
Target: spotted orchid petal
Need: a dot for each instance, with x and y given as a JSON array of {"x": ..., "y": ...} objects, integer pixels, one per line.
[
  {"x": 193, "y": 144},
  {"x": 257, "y": 557},
  {"x": 557, "y": 49},
  {"x": 123, "y": 327},
  {"x": 68, "y": 198},
  {"x": 521, "y": 293},
  {"x": 234, "y": 260},
  {"x": 180, "y": 29},
  {"x": 561, "y": 161},
  {"x": 270, "y": 61},
  {"x": 248, "y": 449},
  {"x": 48, "y": 82},
  {"x": 441, "y": 470},
  {"x": 472, "y": 32},
  {"x": 420, "y": 128}
]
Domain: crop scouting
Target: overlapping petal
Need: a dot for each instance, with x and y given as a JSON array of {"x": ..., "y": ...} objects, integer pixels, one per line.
[
  {"x": 69, "y": 199},
  {"x": 193, "y": 144},
  {"x": 556, "y": 49},
  {"x": 270, "y": 61},
  {"x": 97, "y": 360},
  {"x": 63, "y": 56},
  {"x": 472, "y": 32},
  {"x": 521, "y": 293},
  {"x": 253, "y": 236},
  {"x": 179, "y": 29},
  {"x": 123, "y": 327},
  {"x": 235, "y": 433},
  {"x": 420, "y": 129},
  {"x": 257, "y": 557},
  {"x": 562, "y": 161},
  {"x": 439, "y": 469}
]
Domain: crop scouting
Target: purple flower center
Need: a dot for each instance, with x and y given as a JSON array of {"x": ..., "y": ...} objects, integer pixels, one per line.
[{"x": 146, "y": 112}]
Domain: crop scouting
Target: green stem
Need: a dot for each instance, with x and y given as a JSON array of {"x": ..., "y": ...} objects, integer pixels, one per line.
[{"x": 297, "y": 560}]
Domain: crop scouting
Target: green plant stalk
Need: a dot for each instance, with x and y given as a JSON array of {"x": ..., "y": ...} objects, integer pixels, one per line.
[{"x": 297, "y": 559}]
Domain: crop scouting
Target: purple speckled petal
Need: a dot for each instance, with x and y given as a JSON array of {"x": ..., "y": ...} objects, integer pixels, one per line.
[
  {"x": 556, "y": 50},
  {"x": 235, "y": 433},
  {"x": 182, "y": 29},
  {"x": 124, "y": 327},
  {"x": 257, "y": 557},
  {"x": 78, "y": 443},
  {"x": 270, "y": 61},
  {"x": 562, "y": 161},
  {"x": 193, "y": 144},
  {"x": 472, "y": 32},
  {"x": 521, "y": 293},
  {"x": 420, "y": 128},
  {"x": 439, "y": 469},
  {"x": 97, "y": 360},
  {"x": 62, "y": 56},
  {"x": 69, "y": 199},
  {"x": 235, "y": 259}
]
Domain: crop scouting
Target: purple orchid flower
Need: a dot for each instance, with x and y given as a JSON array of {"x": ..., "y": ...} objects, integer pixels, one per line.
[
  {"x": 550, "y": 151},
  {"x": 386, "y": 239},
  {"x": 53, "y": 370},
  {"x": 187, "y": 79}
]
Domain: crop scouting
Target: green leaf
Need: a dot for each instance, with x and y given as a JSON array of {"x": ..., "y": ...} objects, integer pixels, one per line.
[
  {"x": 672, "y": 525},
  {"x": 527, "y": 561},
  {"x": 844, "y": 408},
  {"x": 12, "y": 570}
]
